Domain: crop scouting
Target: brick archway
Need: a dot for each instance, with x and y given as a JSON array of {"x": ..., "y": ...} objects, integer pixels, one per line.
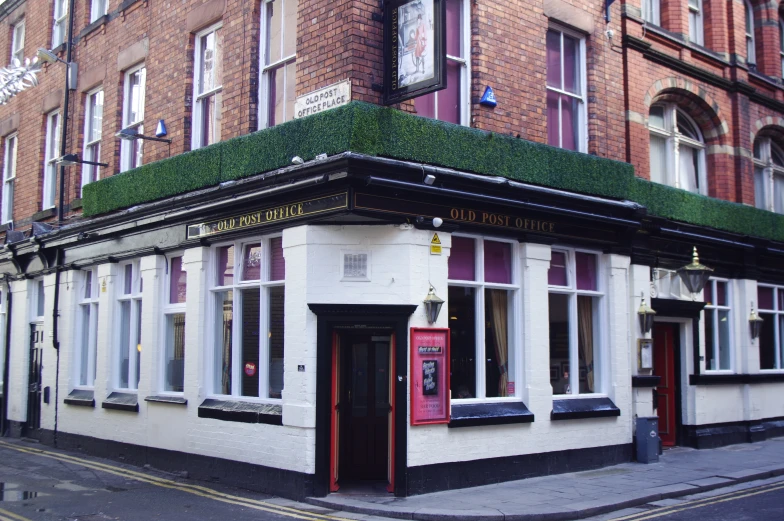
[
  {"x": 768, "y": 124},
  {"x": 695, "y": 101}
]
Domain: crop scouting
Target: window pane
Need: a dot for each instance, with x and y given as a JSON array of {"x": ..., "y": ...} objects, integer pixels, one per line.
[
  {"x": 277, "y": 262},
  {"x": 497, "y": 364},
  {"x": 225, "y": 274},
  {"x": 721, "y": 293},
  {"x": 85, "y": 344},
  {"x": 556, "y": 275},
  {"x": 658, "y": 158},
  {"x": 138, "y": 342},
  {"x": 724, "y": 339},
  {"x": 689, "y": 176},
  {"x": 586, "y": 271},
  {"x": 250, "y": 341},
  {"x": 274, "y": 25},
  {"x": 767, "y": 341},
  {"x": 125, "y": 339},
  {"x": 449, "y": 98},
  {"x": 40, "y": 298},
  {"x": 251, "y": 262},
  {"x": 276, "y": 338},
  {"x": 291, "y": 91},
  {"x": 765, "y": 297},
  {"x": 290, "y": 27},
  {"x": 272, "y": 95},
  {"x": 554, "y": 59},
  {"x": 707, "y": 294},
  {"x": 710, "y": 326},
  {"x": 569, "y": 122},
  {"x": 586, "y": 338},
  {"x": 211, "y": 61},
  {"x": 656, "y": 118},
  {"x": 462, "y": 323},
  {"x": 426, "y": 105},
  {"x": 175, "y": 352},
  {"x": 571, "y": 64},
  {"x": 211, "y": 118},
  {"x": 759, "y": 188},
  {"x": 177, "y": 282},
  {"x": 498, "y": 262},
  {"x": 781, "y": 299},
  {"x": 453, "y": 27},
  {"x": 462, "y": 259},
  {"x": 128, "y": 279},
  {"x": 778, "y": 194},
  {"x": 222, "y": 363},
  {"x": 88, "y": 284},
  {"x": 559, "y": 343}
]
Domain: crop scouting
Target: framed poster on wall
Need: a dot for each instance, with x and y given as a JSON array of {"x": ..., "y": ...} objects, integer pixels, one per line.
[
  {"x": 429, "y": 376},
  {"x": 414, "y": 48}
]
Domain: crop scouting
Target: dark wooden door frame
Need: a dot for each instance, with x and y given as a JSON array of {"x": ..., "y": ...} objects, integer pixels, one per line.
[{"x": 330, "y": 316}]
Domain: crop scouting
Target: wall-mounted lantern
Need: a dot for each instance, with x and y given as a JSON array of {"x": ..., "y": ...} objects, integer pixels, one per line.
[
  {"x": 645, "y": 314},
  {"x": 432, "y": 306},
  {"x": 755, "y": 323}
]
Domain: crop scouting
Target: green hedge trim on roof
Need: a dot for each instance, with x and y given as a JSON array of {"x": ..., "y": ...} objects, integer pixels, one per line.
[{"x": 385, "y": 132}]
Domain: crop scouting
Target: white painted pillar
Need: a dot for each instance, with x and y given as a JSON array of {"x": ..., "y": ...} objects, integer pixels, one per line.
[
  {"x": 619, "y": 384},
  {"x": 639, "y": 287},
  {"x": 19, "y": 358},
  {"x": 198, "y": 349},
  {"x": 105, "y": 370},
  {"x": 537, "y": 392},
  {"x": 153, "y": 272}
]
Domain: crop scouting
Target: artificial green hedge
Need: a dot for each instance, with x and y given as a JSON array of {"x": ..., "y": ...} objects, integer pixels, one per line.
[{"x": 385, "y": 132}]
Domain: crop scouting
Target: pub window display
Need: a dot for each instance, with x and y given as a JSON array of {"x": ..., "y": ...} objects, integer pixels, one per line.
[
  {"x": 248, "y": 295},
  {"x": 482, "y": 298},
  {"x": 575, "y": 300},
  {"x": 129, "y": 302},
  {"x": 771, "y": 339},
  {"x": 718, "y": 325}
]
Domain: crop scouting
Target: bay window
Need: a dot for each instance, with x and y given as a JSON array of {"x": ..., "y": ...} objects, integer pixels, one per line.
[
  {"x": 208, "y": 88},
  {"x": 86, "y": 329},
  {"x": 129, "y": 310},
  {"x": 771, "y": 340},
  {"x": 566, "y": 120},
  {"x": 248, "y": 294},
  {"x": 278, "y": 61},
  {"x": 482, "y": 303},
  {"x": 174, "y": 326},
  {"x": 718, "y": 325},
  {"x": 575, "y": 310}
]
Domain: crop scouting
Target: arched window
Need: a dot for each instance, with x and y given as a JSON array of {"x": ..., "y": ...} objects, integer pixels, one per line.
[
  {"x": 751, "y": 55},
  {"x": 768, "y": 175},
  {"x": 677, "y": 149}
]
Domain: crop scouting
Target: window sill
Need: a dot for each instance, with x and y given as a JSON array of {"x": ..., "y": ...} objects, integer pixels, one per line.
[
  {"x": 121, "y": 402},
  {"x": 5, "y": 227},
  {"x": 126, "y": 4},
  {"x": 475, "y": 414},
  {"x": 730, "y": 379},
  {"x": 242, "y": 412},
  {"x": 80, "y": 397},
  {"x": 645, "y": 380},
  {"x": 76, "y": 204},
  {"x": 174, "y": 400},
  {"x": 580, "y": 408},
  {"x": 44, "y": 214},
  {"x": 101, "y": 20}
]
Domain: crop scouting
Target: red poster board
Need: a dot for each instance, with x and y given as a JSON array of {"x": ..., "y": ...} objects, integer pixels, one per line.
[{"x": 429, "y": 376}]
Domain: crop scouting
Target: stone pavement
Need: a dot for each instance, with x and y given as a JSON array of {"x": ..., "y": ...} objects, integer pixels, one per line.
[{"x": 679, "y": 472}]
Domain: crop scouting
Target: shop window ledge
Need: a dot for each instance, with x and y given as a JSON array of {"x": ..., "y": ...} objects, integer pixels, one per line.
[
  {"x": 177, "y": 400},
  {"x": 475, "y": 414},
  {"x": 645, "y": 380},
  {"x": 730, "y": 379},
  {"x": 81, "y": 398},
  {"x": 121, "y": 402},
  {"x": 579, "y": 408},
  {"x": 242, "y": 412}
]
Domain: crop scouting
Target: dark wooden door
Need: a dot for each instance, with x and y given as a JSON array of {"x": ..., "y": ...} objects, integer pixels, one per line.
[
  {"x": 365, "y": 406},
  {"x": 34, "y": 378},
  {"x": 667, "y": 390}
]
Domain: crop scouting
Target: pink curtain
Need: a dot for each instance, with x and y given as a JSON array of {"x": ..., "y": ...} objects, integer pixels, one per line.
[
  {"x": 462, "y": 259},
  {"x": 571, "y": 72},
  {"x": 553, "y": 120},
  {"x": 426, "y": 105},
  {"x": 586, "y": 271}
]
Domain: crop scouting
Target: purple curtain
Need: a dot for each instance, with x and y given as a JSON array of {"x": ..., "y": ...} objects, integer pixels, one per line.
[
  {"x": 462, "y": 259},
  {"x": 556, "y": 275},
  {"x": 553, "y": 120},
  {"x": 554, "y": 59},
  {"x": 426, "y": 105},
  {"x": 586, "y": 271},
  {"x": 453, "y": 28},
  {"x": 498, "y": 262},
  {"x": 449, "y": 98},
  {"x": 225, "y": 265},
  {"x": 571, "y": 74},
  {"x": 277, "y": 263},
  {"x": 568, "y": 122},
  {"x": 177, "y": 282}
]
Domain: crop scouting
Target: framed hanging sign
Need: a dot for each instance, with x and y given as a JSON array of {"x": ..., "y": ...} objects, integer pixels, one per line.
[
  {"x": 414, "y": 48},
  {"x": 429, "y": 376}
]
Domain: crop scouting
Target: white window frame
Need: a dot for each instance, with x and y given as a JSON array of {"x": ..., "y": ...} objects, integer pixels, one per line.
[
  {"x": 776, "y": 314},
  {"x": 600, "y": 351},
  {"x": 770, "y": 172},
  {"x": 134, "y": 340},
  {"x": 696, "y": 23},
  {"x": 236, "y": 287},
  {"x": 514, "y": 321},
  {"x": 582, "y": 124},
  {"x": 18, "y": 41},
  {"x": 51, "y": 153},
  {"x": 651, "y": 11},
  {"x": 127, "y": 147},
  {"x": 265, "y": 68},
  {"x": 751, "y": 50},
  {"x": 92, "y": 148},
  {"x": 714, "y": 310},
  {"x": 60, "y": 15},
  {"x": 168, "y": 310},
  {"x": 38, "y": 293},
  {"x": 83, "y": 300},
  {"x": 674, "y": 140},
  {"x": 9, "y": 177},
  {"x": 98, "y": 9},
  {"x": 196, "y": 126}
]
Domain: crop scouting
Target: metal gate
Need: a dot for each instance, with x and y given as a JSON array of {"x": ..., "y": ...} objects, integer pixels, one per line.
[{"x": 34, "y": 377}]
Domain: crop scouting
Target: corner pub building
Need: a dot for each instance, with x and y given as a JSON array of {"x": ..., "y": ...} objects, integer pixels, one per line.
[{"x": 246, "y": 309}]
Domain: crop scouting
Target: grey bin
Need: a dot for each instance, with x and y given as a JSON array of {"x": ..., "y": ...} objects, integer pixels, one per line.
[{"x": 647, "y": 438}]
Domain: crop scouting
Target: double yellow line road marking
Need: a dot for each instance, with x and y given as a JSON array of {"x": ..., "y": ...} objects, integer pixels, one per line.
[
  {"x": 699, "y": 503},
  {"x": 196, "y": 490}
]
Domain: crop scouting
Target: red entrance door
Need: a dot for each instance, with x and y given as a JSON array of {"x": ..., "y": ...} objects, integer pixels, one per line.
[{"x": 664, "y": 366}]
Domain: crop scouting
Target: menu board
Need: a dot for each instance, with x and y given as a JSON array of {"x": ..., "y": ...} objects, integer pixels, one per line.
[{"x": 429, "y": 376}]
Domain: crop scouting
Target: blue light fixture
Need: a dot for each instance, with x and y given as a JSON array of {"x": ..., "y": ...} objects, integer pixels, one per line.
[{"x": 160, "y": 131}]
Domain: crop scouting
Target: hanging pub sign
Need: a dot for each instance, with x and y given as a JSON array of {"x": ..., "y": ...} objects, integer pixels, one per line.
[
  {"x": 414, "y": 48},
  {"x": 429, "y": 376}
]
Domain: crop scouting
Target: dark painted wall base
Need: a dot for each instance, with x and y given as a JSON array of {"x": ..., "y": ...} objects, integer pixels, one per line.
[
  {"x": 721, "y": 434},
  {"x": 284, "y": 483},
  {"x": 462, "y": 474}
]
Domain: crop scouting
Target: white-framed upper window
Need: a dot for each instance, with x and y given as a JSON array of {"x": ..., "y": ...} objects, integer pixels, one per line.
[
  {"x": 751, "y": 53},
  {"x": 93, "y": 121},
  {"x": 52, "y": 153},
  {"x": 18, "y": 41},
  {"x": 9, "y": 177},
  {"x": 566, "y": 111},
  {"x": 60, "y": 17},
  {"x": 771, "y": 340},
  {"x": 174, "y": 293},
  {"x": 453, "y": 103},
  {"x": 768, "y": 175},
  {"x": 576, "y": 308},
  {"x": 651, "y": 11},
  {"x": 677, "y": 149},
  {"x": 207, "y": 87},
  {"x": 247, "y": 286},
  {"x": 86, "y": 329},
  {"x": 696, "y": 30},
  {"x": 133, "y": 116},
  {"x": 129, "y": 330},
  {"x": 98, "y": 9},
  {"x": 718, "y": 325},
  {"x": 484, "y": 299},
  {"x": 278, "y": 62},
  {"x": 38, "y": 301}
]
